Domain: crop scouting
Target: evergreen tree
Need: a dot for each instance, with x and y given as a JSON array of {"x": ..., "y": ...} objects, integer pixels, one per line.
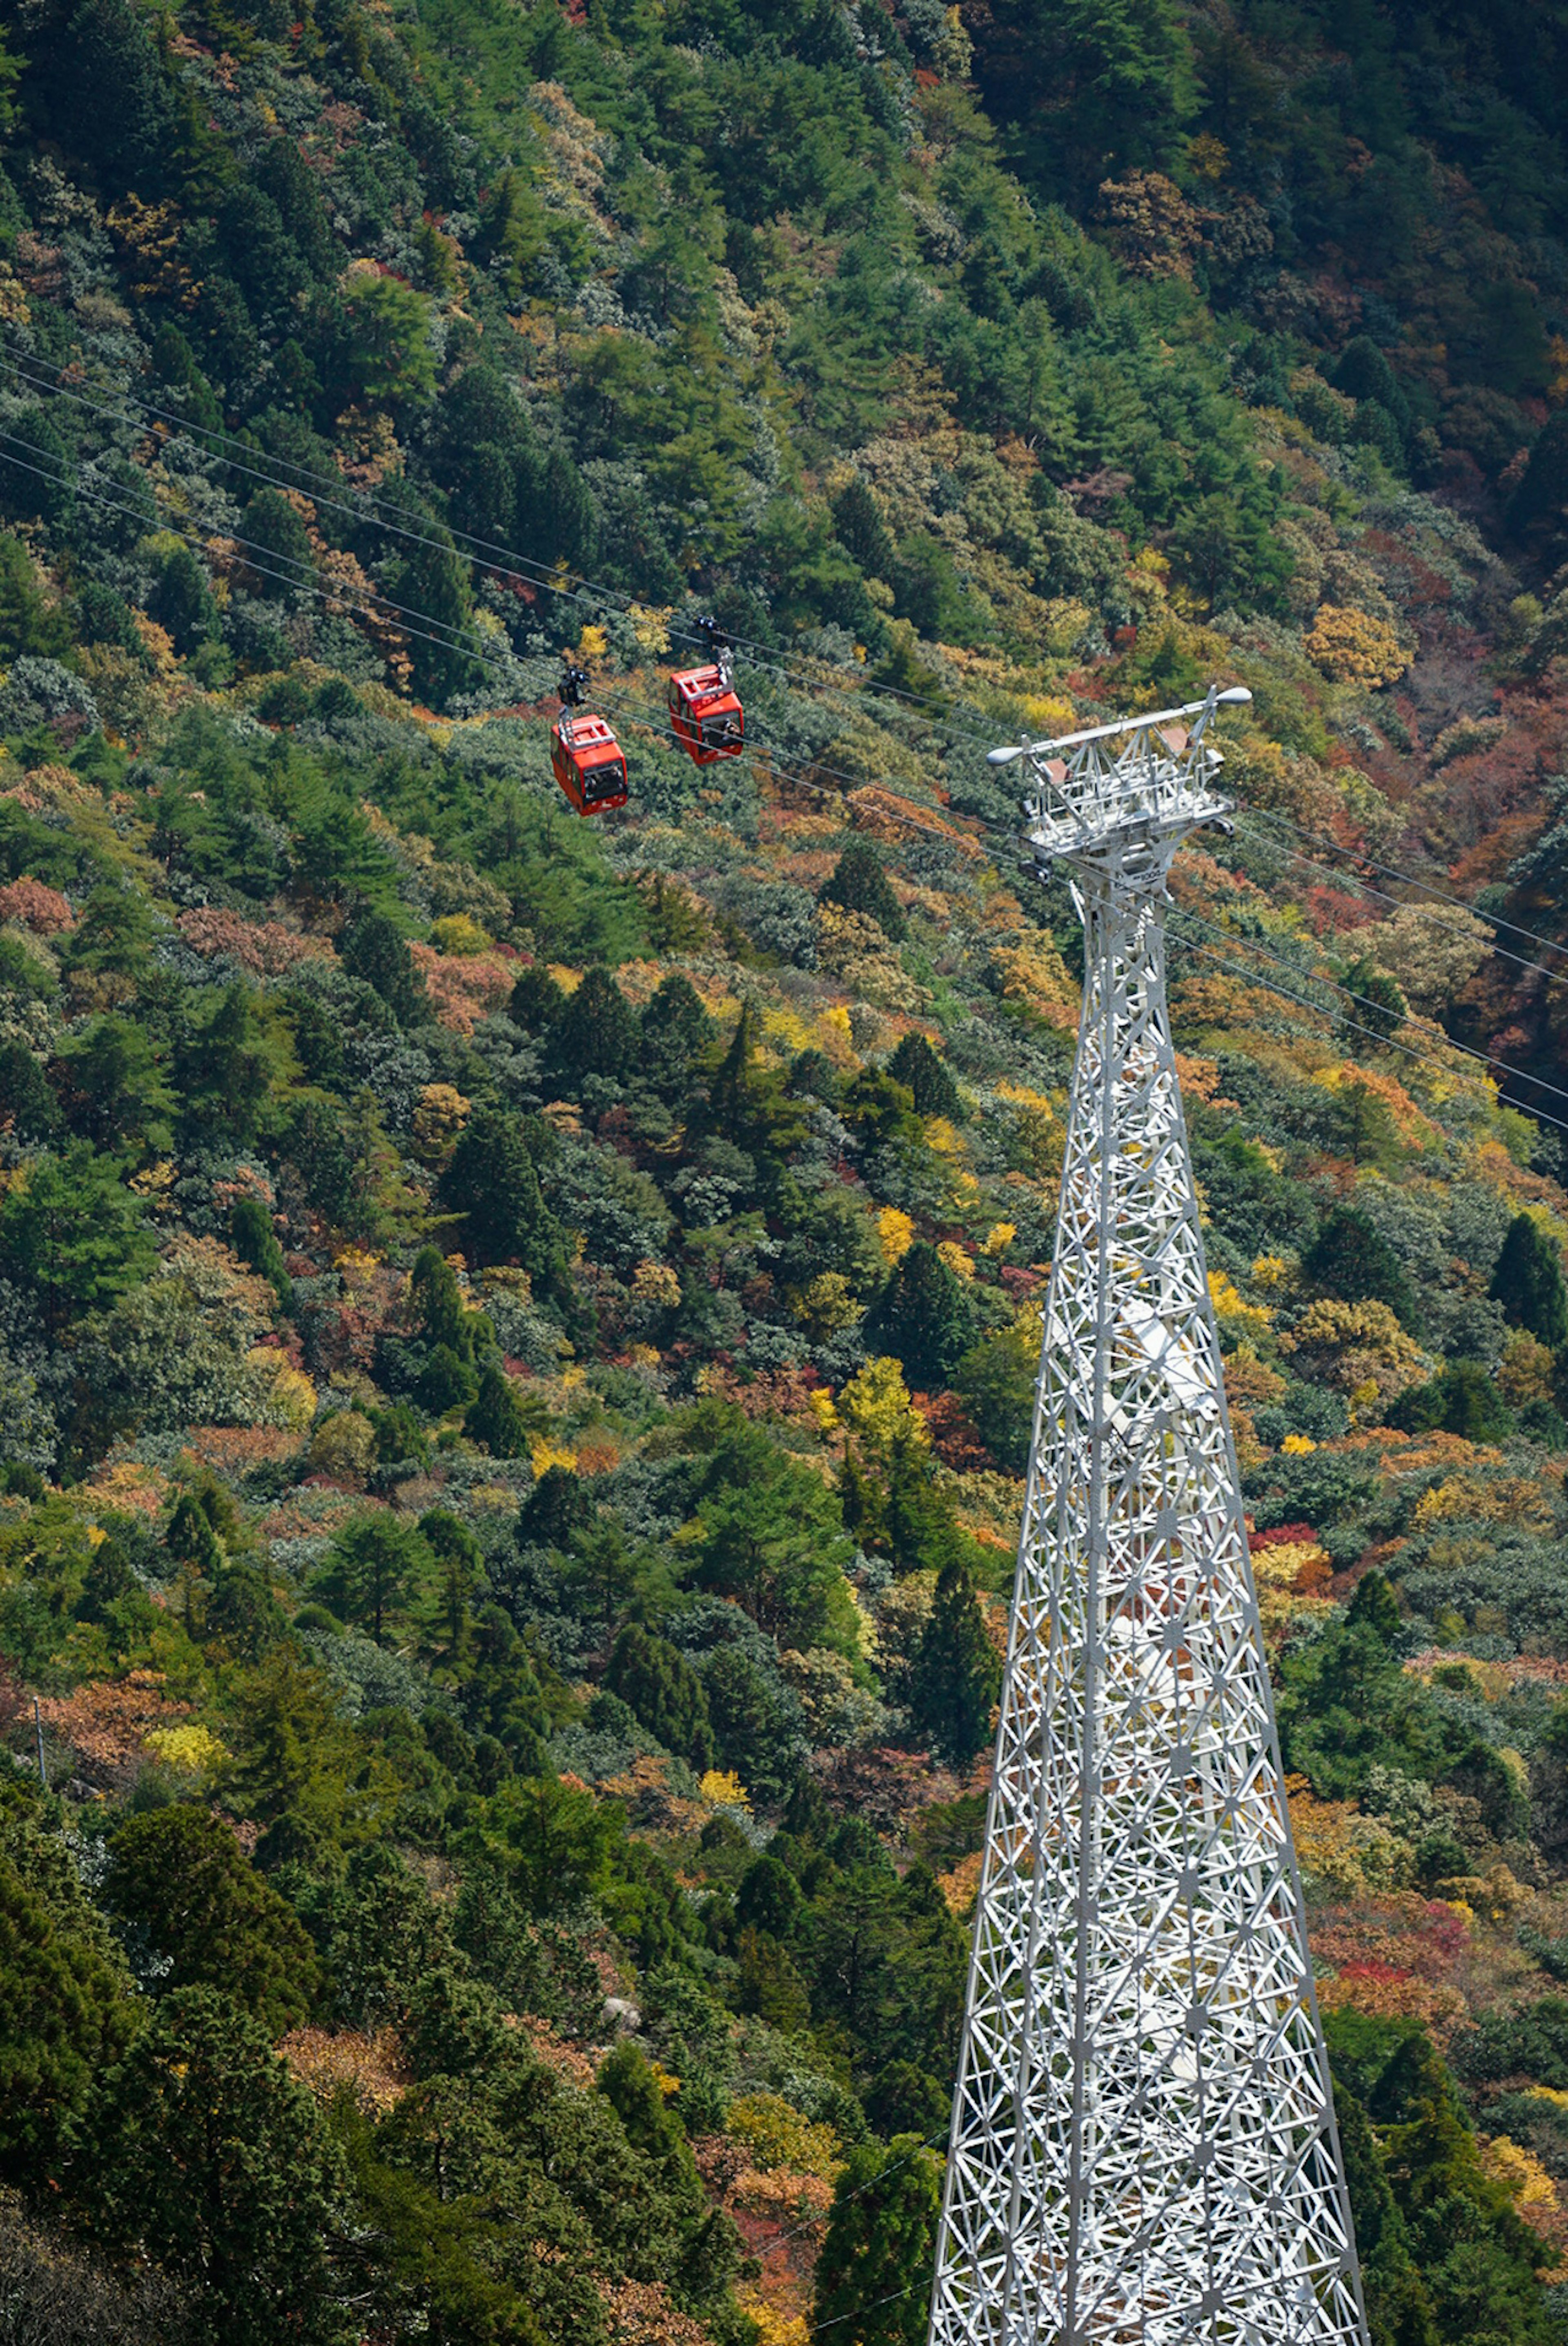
[
  {"x": 874, "y": 2277},
  {"x": 923, "y": 1317},
  {"x": 494, "y": 1418},
  {"x": 254, "y": 1241},
  {"x": 201, "y": 2150},
  {"x": 663, "y": 1692},
  {"x": 676, "y": 1032},
  {"x": 374, "y": 1566},
  {"x": 1462, "y": 1400},
  {"x": 72, "y": 1234},
  {"x": 118, "y": 1092},
  {"x": 1528, "y": 1282},
  {"x": 375, "y": 951},
  {"x": 178, "y": 1878},
  {"x": 925, "y": 1076},
  {"x": 1379, "y": 1003},
  {"x": 860, "y": 884},
  {"x": 956, "y": 1670},
  {"x": 63, "y": 2015},
  {"x": 1353, "y": 1262},
  {"x": 536, "y": 1000},
  {"x": 748, "y": 1107},
  {"x": 493, "y": 1184},
  {"x": 596, "y": 1032}
]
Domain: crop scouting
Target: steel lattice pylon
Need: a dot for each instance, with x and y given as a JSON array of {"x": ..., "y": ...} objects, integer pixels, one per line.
[{"x": 1143, "y": 2147}]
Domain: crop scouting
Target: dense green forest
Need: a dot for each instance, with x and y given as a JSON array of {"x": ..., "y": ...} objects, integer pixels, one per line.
[{"x": 517, "y": 1335}]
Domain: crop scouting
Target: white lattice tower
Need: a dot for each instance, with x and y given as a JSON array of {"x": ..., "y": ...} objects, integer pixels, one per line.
[{"x": 1143, "y": 2148}]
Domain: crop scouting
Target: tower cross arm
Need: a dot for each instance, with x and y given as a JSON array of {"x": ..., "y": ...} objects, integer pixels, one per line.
[{"x": 1149, "y": 778}]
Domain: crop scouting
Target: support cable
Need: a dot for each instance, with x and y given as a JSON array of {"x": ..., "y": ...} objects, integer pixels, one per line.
[
  {"x": 1308, "y": 977},
  {"x": 1250, "y": 815}
]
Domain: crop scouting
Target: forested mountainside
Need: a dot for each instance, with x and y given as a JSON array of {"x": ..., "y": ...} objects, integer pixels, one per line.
[{"x": 516, "y": 1335}]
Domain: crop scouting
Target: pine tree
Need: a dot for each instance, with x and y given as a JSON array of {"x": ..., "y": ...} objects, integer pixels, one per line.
[
  {"x": 917, "y": 1066},
  {"x": 663, "y": 1692},
  {"x": 956, "y": 1670},
  {"x": 203, "y": 2151},
  {"x": 596, "y": 1032},
  {"x": 493, "y": 1184},
  {"x": 373, "y": 1566},
  {"x": 922, "y": 1318},
  {"x": 180, "y": 1877},
  {"x": 375, "y": 951}
]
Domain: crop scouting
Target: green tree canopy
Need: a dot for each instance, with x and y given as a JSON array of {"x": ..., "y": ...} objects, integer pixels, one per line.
[
  {"x": 923, "y": 1317},
  {"x": 64, "y": 2014},
  {"x": 178, "y": 1879},
  {"x": 859, "y": 883},
  {"x": 204, "y": 2153},
  {"x": 1528, "y": 1282},
  {"x": 1352, "y": 1262},
  {"x": 873, "y": 2276},
  {"x": 957, "y": 1671}
]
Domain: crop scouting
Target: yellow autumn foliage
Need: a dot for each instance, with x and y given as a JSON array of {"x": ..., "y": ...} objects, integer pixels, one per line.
[
  {"x": 1232, "y": 1310},
  {"x": 543, "y": 1454},
  {"x": 876, "y": 1407},
  {"x": 1520, "y": 2172},
  {"x": 721, "y": 1788},
  {"x": 775, "y": 2135},
  {"x": 1352, "y": 648},
  {"x": 190, "y": 1748},
  {"x": 896, "y": 1232}
]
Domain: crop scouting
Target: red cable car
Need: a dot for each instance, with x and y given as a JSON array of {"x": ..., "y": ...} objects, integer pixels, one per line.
[
  {"x": 705, "y": 713},
  {"x": 589, "y": 762}
]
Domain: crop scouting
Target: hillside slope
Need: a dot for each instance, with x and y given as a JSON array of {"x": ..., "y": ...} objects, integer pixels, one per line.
[{"x": 516, "y": 1335}]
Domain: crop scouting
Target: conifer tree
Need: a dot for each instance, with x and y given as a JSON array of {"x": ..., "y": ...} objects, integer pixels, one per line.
[
  {"x": 917, "y": 1066},
  {"x": 923, "y": 1317},
  {"x": 860, "y": 884},
  {"x": 956, "y": 1670},
  {"x": 873, "y": 2276},
  {"x": 1528, "y": 1282},
  {"x": 494, "y": 1418}
]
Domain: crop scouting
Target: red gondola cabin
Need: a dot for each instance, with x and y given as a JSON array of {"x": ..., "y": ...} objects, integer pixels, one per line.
[
  {"x": 589, "y": 762},
  {"x": 705, "y": 713}
]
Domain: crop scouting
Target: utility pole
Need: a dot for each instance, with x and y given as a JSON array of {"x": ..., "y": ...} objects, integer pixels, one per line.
[{"x": 1143, "y": 2148}]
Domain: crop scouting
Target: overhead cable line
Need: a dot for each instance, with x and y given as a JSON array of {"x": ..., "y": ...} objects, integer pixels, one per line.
[
  {"x": 1391, "y": 872},
  {"x": 577, "y": 587},
  {"x": 369, "y": 603},
  {"x": 1449, "y": 928},
  {"x": 568, "y": 585},
  {"x": 596, "y": 594},
  {"x": 1429, "y": 1025},
  {"x": 373, "y": 603},
  {"x": 1387, "y": 1042}
]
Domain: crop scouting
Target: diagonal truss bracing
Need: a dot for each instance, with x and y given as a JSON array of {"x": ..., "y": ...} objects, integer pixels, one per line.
[{"x": 1143, "y": 2148}]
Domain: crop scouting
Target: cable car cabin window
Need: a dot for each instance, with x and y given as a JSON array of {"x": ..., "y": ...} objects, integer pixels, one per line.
[{"x": 604, "y": 782}]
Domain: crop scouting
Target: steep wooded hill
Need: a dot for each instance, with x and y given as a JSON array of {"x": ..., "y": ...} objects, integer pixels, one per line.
[{"x": 517, "y": 1335}]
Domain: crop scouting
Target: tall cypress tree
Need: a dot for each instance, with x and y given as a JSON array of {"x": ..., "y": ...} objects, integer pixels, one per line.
[
  {"x": 956, "y": 1670},
  {"x": 1528, "y": 1283},
  {"x": 873, "y": 2275}
]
